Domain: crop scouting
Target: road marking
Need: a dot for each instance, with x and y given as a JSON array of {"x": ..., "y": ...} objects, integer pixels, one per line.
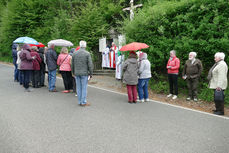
[
  {"x": 163, "y": 103},
  {"x": 171, "y": 105}
]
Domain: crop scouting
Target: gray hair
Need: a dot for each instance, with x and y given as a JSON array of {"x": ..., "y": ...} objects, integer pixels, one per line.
[
  {"x": 64, "y": 50},
  {"x": 193, "y": 53},
  {"x": 51, "y": 45},
  {"x": 173, "y": 51},
  {"x": 83, "y": 44},
  {"x": 220, "y": 55}
]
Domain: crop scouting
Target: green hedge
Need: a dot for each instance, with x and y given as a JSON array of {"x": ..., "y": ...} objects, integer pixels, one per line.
[{"x": 184, "y": 25}]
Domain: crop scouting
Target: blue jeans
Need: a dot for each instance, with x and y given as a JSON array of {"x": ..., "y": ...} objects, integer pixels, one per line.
[
  {"x": 16, "y": 78},
  {"x": 82, "y": 82},
  {"x": 143, "y": 88},
  {"x": 52, "y": 79}
]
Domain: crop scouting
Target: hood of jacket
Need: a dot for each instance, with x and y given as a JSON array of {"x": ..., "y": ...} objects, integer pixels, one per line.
[
  {"x": 26, "y": 47},
  {"x": 133, "y": 60},
  {"x": 143, "y": 56},
  {"x": 14, "y": 46},
  {"x": 41, "y": 50}
]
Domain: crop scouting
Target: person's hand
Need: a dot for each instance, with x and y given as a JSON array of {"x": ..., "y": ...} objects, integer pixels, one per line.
[
  {"x": 218, "y": 89},
  {"x": 169, "y": 67},
  {"x": 34, "y": 57},
  {"x": 184, "y": 77}
]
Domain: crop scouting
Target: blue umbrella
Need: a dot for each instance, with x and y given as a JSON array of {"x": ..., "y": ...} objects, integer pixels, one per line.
[{"x": 26, "y": 40}]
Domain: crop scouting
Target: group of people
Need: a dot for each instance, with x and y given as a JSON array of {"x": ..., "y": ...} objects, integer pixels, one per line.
[
  {"x": 193, "y": 68},
  {"x": 75, "y": 68},
  {"x": 112, "y": 58}
]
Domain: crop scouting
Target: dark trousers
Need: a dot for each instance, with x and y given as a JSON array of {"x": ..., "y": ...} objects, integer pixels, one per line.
[
  {"x": 21, "y": 77},
  {"x": 35, "y": 78},
  {"x": 74, "y": 84},
  {"x": 173, "y": 83},
  {"x": 67, "y": 79},
  {"x": 192, "y": 87},
  {"x": 26, "y": 79},
  {"x": 219, "y": 105},
  {"x": 42, "y": 77},
  {"x": 16, "y": 78}
]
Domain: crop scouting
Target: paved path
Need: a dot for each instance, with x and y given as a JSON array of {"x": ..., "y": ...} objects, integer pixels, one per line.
[{"x": 43, "y": 122}]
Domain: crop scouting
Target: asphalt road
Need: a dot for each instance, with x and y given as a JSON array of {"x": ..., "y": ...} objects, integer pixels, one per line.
[{"x": 44, "y": 122}]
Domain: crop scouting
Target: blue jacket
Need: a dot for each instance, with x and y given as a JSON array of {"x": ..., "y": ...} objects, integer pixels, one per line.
[
  {"x": 51, "y": 59},
  {"x": 14, "y": 53}
]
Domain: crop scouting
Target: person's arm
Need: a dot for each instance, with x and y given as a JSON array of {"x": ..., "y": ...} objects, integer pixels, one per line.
[
  {"x": 168, "y": 66},
  {"x": 28, "y": 56},
  {"x": 125, "y": 65},
  {"x": 177, "y": 65},
  {"x": 184, "y": 70},
  {"x": 141, "y": 67},
  {"x": 72, "y": 66},
  {"x": 200, "y": 68},
  {"x": 54, "y": 54},
  {"x": 58, "y": 60},
  {"x": 39, "y": 58},
  {"x": 222, "y": 69},
  {"x": 90, "y": 65}
]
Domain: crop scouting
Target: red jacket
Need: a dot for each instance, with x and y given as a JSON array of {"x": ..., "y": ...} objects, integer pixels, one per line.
[
  {"x": 37, "y": 61},
  {"x": 175, "y": 65}
]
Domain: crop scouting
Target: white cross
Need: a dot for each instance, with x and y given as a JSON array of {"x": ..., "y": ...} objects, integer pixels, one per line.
[{"x": 131, "y": 9}]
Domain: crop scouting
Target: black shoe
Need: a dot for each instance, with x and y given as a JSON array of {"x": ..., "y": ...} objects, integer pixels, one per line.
[{"x": 218, "y": 113}]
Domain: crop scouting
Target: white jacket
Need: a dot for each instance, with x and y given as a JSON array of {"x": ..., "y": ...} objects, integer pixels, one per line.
[
  {"x": 219, "y": 76},
  {"x": 144, "y": 67}
]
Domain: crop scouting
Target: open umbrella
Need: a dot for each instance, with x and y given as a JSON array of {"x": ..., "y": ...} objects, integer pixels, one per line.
[
  {"x": 39, "y": 45},
  {"x": 60, "y": 42},
  {"x": 26, "y": 40},
  {"x": 134, "y": 46}
]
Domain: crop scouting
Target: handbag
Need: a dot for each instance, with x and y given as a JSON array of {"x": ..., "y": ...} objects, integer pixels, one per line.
[
  {"x": 58, "y": 71},
  {"x": 218, "y": 96}
]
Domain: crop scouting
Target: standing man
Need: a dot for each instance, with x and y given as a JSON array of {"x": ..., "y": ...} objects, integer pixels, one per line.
[
  {"x": 51, "y": 61},
  {"x": 82, "y": 69},
  {"x": 191, "y": 73}
]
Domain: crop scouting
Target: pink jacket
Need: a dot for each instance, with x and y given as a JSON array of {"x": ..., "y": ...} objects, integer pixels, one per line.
[
  {"x": 175, "y": 65},
  {"x": 64, "y": 63}
]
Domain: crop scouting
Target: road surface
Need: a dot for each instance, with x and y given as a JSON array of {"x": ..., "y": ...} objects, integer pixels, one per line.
[{"x": 44, "y": 122}]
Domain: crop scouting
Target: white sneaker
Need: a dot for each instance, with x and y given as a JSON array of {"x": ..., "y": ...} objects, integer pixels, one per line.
[
  {"x": 76, "y": 95},
  {"x": 147, "y": 100},
  {"x": 141, "y": 101},
  {"x": 174, "y": 97},
  {"x": 170, "y": 95}
]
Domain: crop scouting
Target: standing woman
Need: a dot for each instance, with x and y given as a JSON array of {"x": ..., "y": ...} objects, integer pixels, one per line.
[
  {"x": 64, "y": 61},
  {"x": 130, "y": 76},
  {"x": 218, "y": 80},
  {"x": 36, "y": 67},
  {"x": 26, "y": 65},
  {"x": 20, "y": 73},
  {"x": 173, "y": 66},
  {"x": 144, "y": 77}
]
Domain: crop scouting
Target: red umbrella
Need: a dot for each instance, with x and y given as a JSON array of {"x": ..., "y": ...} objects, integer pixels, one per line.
[
  {"x": 134, "y": 46},
  {"x": 39, "y": 45},
  {"x": 77, "y": 48}
]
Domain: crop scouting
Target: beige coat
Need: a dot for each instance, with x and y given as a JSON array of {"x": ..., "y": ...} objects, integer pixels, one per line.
[{"x": 219, "y": 76}]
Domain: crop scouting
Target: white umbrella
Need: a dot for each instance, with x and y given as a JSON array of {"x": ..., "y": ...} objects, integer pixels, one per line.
[{"x": 60, "y": 42}]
